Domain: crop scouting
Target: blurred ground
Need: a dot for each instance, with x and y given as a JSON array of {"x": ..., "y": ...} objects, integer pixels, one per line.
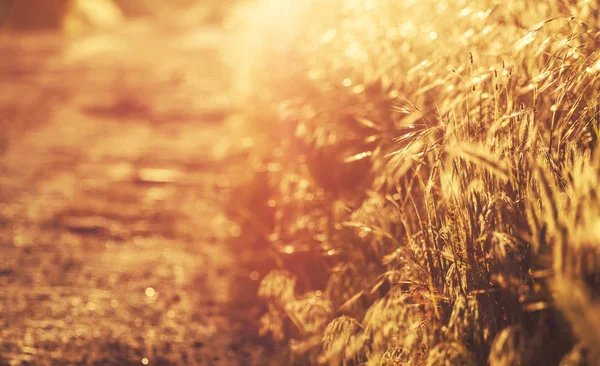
[{"x": 114, "y": 173}]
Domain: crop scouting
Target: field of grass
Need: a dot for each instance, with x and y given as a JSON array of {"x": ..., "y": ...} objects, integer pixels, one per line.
[{"x": 425, "y": 175}]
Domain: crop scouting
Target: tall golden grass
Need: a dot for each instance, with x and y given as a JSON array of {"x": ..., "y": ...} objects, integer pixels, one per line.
[{"x": 441, "y": 158}]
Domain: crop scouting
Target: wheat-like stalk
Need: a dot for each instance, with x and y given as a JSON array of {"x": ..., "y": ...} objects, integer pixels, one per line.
[{"x": 442, "y": 156}]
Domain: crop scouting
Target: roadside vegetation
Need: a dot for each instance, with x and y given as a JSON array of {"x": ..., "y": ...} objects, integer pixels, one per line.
[{"x": 425, "y": 174}]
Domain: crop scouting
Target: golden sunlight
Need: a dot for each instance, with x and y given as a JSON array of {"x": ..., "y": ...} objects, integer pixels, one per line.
[{"x": 299, "y": 182}]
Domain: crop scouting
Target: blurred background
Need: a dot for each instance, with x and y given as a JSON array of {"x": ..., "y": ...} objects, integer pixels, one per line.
[
  {"x": 115, "y": 165},
  {"x": 45, "y": 14}
]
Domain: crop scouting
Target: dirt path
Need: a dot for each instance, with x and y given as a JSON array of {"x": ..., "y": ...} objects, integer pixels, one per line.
[{"x": 113, "y": 181}]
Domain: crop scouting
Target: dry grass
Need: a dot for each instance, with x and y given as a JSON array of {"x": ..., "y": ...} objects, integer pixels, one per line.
[{"x": 442, "y": 158}]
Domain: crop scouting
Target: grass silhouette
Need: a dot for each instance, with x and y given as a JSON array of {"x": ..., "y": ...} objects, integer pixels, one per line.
[{"x": 439, "y": 158}]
